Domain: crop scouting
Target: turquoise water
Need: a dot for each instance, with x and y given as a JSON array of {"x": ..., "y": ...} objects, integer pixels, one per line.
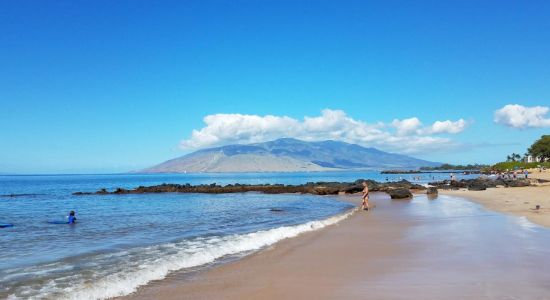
[{"x": 124, "y": 241}]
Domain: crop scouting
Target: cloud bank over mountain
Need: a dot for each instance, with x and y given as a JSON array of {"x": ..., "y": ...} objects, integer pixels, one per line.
[{"x": 405, "y": 136}]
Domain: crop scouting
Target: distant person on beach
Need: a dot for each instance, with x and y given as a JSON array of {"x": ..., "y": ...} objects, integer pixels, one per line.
[
  {"x": 365, "y": 205},
  {"x": 71, "y": 217}
]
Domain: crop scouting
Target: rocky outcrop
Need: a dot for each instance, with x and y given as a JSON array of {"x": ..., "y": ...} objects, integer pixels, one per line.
[
  {"x": 401, "y": 172},
  {"x": 19, "y": 195},
  {"x": 400, "y": 193},
  {"x": 315, "y": 188},
  {"x": 432, "y": 191},
  {"x": 519, "y": 183},
  {"x": 397, "y": 190},
  {"x": 479, "y": 184}
]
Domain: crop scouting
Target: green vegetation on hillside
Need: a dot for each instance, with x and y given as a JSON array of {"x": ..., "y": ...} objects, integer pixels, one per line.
[
  {"x": 511, "y": 165},
  {"x": 540, "y": 149}
]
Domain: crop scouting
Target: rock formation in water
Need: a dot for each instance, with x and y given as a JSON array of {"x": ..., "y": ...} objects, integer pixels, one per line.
[
  {"x": 317, "y": 188},
  {"x": 397, "y": 190}
]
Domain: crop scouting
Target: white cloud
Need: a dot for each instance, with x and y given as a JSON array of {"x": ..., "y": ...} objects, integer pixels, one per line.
[
  {"x": 408, "y": 135},
  {"x": 414, "y": 126},
  {"x": 519, "y": 116},
  {"x": 448, "y": 126},
  {"x": 406, "y": 126},
  {"x": 229, "y": 128}
]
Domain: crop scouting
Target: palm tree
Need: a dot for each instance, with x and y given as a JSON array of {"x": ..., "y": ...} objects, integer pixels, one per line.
[{"x": 513, "y": 157}]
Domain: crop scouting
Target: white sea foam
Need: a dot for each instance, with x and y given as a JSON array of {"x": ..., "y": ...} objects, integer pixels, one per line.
[{"x": 133, "y": 268}]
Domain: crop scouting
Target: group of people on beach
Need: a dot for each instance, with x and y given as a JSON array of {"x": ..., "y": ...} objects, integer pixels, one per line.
[{"x": 513, "y": 175}]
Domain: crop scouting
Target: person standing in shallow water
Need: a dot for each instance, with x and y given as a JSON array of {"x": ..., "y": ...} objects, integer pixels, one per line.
[
  {"x": 365, "y": 205},
  {"x": 71, "y": 218}
]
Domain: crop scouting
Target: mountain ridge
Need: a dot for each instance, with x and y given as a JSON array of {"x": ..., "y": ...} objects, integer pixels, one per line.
[{"x": 287, "y": 155}]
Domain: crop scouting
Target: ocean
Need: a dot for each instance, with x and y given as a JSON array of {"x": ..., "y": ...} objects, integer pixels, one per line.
[{"x": 121, "y": 242}]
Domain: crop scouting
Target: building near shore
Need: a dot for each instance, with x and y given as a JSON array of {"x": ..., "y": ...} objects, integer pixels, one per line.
[
  {"x": 532, "y": 159},
  {"x": 529, "y": 159}
]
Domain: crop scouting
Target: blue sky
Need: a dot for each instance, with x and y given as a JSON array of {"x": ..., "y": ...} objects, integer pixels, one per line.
[{"x": 111, "y": 86}]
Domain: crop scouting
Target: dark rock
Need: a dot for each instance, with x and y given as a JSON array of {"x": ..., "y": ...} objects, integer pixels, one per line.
[
  {"x": 82, "y": 193},
  {"x": 432, "y": 191},
  {"x": 477, "y": 186},
  {"x": 518, "y": 183},
  {"x": 120, "y": 191},
  {"x": 399, "y": 193},
  {"x": 318, "y": 188},
  {"x": 19, "y": 195},
  {"x": 353, "y": 189},
  {"x": 102, "y": 192},
  {"x": 458, "y": 184}
]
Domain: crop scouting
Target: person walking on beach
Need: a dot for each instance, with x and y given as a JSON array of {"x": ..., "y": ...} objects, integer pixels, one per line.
[{"x": 365, "y": 204}]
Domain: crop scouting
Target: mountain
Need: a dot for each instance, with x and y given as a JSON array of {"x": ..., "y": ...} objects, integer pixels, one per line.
[{"x": 288, "y": 155}]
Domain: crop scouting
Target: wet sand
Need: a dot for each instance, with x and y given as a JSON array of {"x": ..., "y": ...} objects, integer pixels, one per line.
[
  {"x": 444, "y": 248},
  {"x": 519, "y": 201}
]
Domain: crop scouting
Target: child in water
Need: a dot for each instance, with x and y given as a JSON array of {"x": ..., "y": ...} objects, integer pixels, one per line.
[{"x": 71, "y": 217}]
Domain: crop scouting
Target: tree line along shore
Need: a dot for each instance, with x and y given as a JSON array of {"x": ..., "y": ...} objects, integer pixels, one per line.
[{"x": 537, "y": 156}]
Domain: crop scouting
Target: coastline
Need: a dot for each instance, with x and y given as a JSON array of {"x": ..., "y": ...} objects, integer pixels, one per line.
[
  {"x": 239, "y": 279},
  {"x": 389, "y": 253},
  {"x": 517, "y": 201}
]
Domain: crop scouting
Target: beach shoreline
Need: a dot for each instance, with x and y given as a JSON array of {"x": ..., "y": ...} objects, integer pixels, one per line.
[
  {"x": 369, "y": 254},
  {"x": 206, "y": 284},
  {"x": 517, "y": 201},
  {"x": 168, "y": 288}
]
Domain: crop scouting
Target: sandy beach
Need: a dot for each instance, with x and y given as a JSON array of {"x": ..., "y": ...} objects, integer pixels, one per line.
[
  {"x": 444, "y": 248},
  {"x": 519, "y": 201}
]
